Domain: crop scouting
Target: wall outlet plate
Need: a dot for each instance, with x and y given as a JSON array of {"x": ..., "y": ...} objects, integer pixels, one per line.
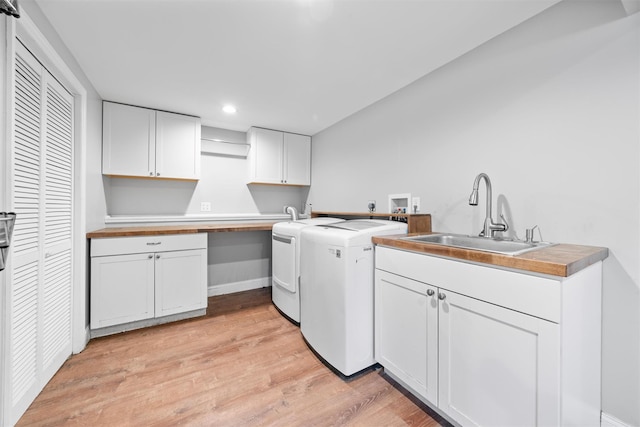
[
  {"x": 205, "y": 207},
  {"x": 415, "y": 204}
]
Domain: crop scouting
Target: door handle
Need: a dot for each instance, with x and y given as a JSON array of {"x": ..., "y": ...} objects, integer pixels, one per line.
[{"x": 282, "y": 239}]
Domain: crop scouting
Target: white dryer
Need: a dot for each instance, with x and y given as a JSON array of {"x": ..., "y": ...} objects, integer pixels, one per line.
[
  {"x": 336, "y": 291},
  {"x": 285, "y": 267}
]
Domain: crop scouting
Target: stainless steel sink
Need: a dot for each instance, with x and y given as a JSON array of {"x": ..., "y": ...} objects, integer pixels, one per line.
[{"x": 495, "y": 245}]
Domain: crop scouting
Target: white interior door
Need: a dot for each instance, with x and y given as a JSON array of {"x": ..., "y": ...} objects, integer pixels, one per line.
[{"x": 39, "y": 289}]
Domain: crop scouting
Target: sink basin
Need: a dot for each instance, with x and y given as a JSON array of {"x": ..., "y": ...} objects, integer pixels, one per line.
[{"x": 500, "y": 246}]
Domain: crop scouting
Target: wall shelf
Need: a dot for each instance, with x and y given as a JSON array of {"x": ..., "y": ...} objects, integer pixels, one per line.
[{"x": 221, "y": 147}]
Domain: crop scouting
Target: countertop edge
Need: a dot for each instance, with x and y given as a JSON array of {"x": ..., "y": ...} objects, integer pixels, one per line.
[
  {"x": 179, "y": 229},
  {"x": 561, "y": 260}
]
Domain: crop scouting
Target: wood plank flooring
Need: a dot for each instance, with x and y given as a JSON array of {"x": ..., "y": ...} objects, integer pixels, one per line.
[{"x": 242, "y": 364}]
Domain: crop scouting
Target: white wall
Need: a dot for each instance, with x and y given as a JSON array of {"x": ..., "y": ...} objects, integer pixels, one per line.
[
  {"x": 550, "y": 111},
  {"x": 239, "y": 261},
  {"x": 95, "y": 202}
]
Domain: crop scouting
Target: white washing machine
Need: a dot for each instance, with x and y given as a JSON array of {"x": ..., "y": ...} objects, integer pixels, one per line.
[
  {"x": 336, "y": 291},
  {"x": 285, "y": 267}
]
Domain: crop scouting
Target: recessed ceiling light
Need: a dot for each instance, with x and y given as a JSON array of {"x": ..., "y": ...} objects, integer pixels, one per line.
[{"x": 229, "y": 109}]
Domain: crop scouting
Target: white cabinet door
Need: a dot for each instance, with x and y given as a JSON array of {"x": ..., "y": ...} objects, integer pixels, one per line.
[
  {"x": 177, "y": 146},
  {"x": 406, "y": 326},
  {"x": 141, "y": 142},
  {"x": 266, "y": 156},
  {"x": 122, "y": 289},
  {"x": 297, "y": 159},
  {"x": 128, "y": 141},
  {"x": 497, "y": 367},
  {"x": 279, "y": 157},
  {"x": 181, "y": 281}
]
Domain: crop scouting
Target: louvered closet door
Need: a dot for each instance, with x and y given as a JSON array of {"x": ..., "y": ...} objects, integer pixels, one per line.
[
  {"x": 40, "y": 271},
  {"x": 58, "y": 190}
]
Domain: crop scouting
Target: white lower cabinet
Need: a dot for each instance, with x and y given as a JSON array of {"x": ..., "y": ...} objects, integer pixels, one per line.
[
  {"x": 497, "y": 367},
  {"x": 122, "y": 289},
  {"x": 448, "y": 331},
  {"x": 137, "y": 279},
  {"x": 406, "y": 332},
  {"x": 179, "y": 281}
]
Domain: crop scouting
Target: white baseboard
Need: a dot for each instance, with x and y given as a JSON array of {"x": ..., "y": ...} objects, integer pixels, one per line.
[
  {"x": 245, "y": 285},
  {"x": 607, "y": 420},
  {"x": 80, "y": 344}
]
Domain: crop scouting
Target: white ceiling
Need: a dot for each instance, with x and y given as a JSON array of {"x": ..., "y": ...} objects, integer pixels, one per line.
[{"x": 293, "y": 65}]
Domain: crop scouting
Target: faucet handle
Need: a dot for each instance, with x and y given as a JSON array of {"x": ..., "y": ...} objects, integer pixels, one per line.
[
  {"x": 529, "y": 234},
  {"x": 505, "y": 223}
]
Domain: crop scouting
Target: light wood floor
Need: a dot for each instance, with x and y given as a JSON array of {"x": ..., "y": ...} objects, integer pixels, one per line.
[{"x": 241, "y": 364}]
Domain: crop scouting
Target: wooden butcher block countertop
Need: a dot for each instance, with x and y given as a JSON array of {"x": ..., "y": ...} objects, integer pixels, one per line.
[
  {"x": 558, "y": 260},
  {"x": 180, "y": 229}
]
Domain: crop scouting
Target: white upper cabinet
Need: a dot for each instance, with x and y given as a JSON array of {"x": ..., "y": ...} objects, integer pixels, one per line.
[
  {"x": 266, "y": 156},
  {"x": 140, "y": 142},
  {"x": 279, "y": 158},
  {"x": 177, "y": 146},
  {"x": 297, "y": 159},
  {"x": 128, "y": 140}
]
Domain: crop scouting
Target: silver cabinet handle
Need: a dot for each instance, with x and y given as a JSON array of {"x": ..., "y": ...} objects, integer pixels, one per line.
[
  {"x": 430, "y": 292},
  {"x": 150, "y": 256},
  {"x": 441, "y": 296},
  {"x": 150, "y": 173},
  {"x": 157, "y": 173},
  {"x": 158, "y": 256},
  {"x": 153, "y": 243}
]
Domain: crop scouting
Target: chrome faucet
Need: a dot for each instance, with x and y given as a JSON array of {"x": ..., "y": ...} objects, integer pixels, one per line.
[{"x": 490, "y": 227}]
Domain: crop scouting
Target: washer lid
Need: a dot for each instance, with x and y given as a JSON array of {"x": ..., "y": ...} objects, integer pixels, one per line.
[{"x": 355, "y": 225}]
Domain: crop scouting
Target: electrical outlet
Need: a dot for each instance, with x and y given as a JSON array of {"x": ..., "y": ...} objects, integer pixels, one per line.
[
  {"x": 415, "y": 204},
  {"x": 205, "y": 207}
]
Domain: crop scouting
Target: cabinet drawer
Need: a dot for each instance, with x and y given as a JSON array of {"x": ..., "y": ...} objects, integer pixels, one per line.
[
  {"x": 526, "y": 293},
  {"x": 141, "y": 244}
]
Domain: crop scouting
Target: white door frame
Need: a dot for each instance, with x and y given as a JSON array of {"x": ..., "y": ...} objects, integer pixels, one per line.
[{"x": 28, "y": 32}]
